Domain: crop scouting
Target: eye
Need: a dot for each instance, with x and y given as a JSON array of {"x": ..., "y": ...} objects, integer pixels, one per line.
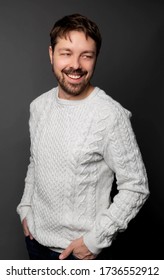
[
  {"x": 65, "y": 54},
  {"x": 87, "y": 56}
]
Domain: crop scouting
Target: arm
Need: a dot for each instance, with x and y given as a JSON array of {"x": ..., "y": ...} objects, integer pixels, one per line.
[
  {"x": 122, "y": 155},
  {"x": 25, "y": 203}
]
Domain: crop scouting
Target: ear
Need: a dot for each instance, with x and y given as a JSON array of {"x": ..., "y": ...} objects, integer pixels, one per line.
[{"x": 51, "y": 54}]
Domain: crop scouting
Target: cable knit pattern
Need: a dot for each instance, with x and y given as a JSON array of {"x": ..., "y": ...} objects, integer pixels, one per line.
[{"x": 76, "y": 147}]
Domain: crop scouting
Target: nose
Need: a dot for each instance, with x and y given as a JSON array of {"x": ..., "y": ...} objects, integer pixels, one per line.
[{"x": 75, "y": 62}]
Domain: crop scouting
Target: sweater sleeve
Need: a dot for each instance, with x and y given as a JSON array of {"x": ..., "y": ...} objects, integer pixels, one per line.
[
  {"x": 122, "y": 155},
  {"x": 25, "y": 203}
]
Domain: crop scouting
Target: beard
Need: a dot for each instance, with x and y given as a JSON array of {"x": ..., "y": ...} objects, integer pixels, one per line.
[{"x": 72, "y": 89}]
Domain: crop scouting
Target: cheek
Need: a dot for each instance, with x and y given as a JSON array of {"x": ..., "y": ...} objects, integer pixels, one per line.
[
  {"x": 59, "y": 64},
  {"x": 90, "y": 69},
  {"x": 89, "y": 66}
]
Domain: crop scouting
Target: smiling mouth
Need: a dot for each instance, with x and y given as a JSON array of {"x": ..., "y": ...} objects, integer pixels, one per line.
[
  {"x": 74, "y": 77},
  {"x": 74, "y": 74}
]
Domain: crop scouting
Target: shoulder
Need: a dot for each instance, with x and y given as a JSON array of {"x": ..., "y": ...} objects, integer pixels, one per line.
[
  {"x": 109, "y": 108},
  {"x": 39, "y": 103}
]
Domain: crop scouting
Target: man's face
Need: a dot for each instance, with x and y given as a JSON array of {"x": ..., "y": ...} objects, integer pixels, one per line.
[{"x": 73, "y": 62}]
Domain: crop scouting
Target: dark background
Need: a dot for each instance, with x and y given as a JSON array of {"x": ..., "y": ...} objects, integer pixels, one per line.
[{"x": 130, "y": 68}]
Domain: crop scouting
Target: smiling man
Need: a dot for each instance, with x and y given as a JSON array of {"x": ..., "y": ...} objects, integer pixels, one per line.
[
  {"x": 80, "y": 139},
  {"x": 73, "y": 60}
]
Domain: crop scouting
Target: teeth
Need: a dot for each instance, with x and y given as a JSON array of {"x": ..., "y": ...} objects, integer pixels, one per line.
[{"x": 74, "y": 76}]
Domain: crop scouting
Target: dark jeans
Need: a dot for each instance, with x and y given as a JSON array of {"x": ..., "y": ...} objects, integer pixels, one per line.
[{"x": 37, "y": 251}]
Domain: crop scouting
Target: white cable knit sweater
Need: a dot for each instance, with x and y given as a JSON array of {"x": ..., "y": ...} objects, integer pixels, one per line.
[{"x": 76, "y": 147}]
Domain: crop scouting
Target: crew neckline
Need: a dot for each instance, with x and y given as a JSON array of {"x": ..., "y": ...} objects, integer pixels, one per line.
[{"x": 75, "y": 102}]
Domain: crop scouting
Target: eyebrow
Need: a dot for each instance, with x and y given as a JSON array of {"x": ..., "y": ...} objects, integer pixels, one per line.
[
  {"x": 69, "y": 50},
  {"x": 64, "y": 49},
  {"x": 91, "y": 52}
]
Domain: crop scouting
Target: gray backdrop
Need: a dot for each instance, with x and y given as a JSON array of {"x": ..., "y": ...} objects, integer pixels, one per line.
[{"x": 130, "y": 69}]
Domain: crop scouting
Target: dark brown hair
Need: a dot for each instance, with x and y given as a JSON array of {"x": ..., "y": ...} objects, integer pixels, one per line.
[{"x": 75, "y": 22}]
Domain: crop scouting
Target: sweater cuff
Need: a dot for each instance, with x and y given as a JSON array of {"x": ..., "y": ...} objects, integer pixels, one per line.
[
  {"x": 90, "y": 242},
  {"x": 22, "y": 211}
]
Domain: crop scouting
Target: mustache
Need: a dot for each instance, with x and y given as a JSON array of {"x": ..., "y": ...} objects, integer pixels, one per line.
[{"x": 71, "y": 71}]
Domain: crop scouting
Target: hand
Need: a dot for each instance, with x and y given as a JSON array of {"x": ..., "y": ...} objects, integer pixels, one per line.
[
  {"x": 79, "y": 250},
  {"x": 26, "y": 229}
]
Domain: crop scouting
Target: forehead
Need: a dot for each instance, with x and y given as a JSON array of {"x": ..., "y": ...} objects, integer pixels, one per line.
[{"x": 76, "y": 39}]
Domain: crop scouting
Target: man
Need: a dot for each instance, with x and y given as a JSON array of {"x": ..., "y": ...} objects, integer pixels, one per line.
[{"x": 80, "y": 138}]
